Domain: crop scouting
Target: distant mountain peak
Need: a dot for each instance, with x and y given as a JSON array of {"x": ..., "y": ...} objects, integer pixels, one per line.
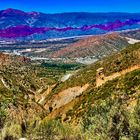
[
  {"x": 34, "y": 13},
  {"x": 13, "y": 11}
]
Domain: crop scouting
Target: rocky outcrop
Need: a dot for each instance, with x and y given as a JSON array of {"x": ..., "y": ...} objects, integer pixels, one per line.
[
  {"x": 101, "y": 78},
  {"x": 4, "y": 59},
  {"x": 65, "y": 97}
]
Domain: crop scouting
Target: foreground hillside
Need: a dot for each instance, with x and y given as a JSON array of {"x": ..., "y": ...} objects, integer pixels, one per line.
[{"x": 100, "y": 101}]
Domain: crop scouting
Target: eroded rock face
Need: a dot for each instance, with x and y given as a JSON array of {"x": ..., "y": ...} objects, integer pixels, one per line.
[
  {"x": 23, "y": 59},
  {"x": 4, "y": 59},
  {"x": 22, "y": 139},
  {"x": 102, "y": 79},
  {"x": 65, "y": 97}
]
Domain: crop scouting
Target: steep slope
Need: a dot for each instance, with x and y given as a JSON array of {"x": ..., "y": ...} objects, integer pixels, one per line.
[
  {"x": 109, "y": 111},
  {"x": 114, "y": 66},
  {"x": 22, "y": 83}
]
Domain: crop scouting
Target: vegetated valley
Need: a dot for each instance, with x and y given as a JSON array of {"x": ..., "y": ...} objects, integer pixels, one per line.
[{"x": 98, "y": 101}]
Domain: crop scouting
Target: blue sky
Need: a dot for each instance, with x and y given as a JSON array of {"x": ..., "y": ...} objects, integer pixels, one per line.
[{"x": 58, "y": 6}]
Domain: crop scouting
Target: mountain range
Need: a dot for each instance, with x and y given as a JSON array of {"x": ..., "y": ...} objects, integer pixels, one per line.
[{"x": 17, "y": 24}]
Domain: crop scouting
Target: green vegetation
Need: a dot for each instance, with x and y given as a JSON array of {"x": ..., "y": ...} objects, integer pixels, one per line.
[
  {"x": 111, "y": 120},
  {"x": 115, "y": 63},
  {"x": 63, "y": 66},
  {"x": 110, "y": 112},
  {"x": 120, "y": 87}
]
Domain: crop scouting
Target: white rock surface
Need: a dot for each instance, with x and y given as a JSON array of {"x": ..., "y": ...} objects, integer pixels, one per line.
[{"x": 132, "y": 41}]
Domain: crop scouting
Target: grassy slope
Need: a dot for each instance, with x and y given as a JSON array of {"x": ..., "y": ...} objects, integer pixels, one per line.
[
  {"x": 23, "y": 80},
  {"x": 97, "y": 106},
  {"x": 115, "y": 63},
  {"x": 123, "y": 87}
]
